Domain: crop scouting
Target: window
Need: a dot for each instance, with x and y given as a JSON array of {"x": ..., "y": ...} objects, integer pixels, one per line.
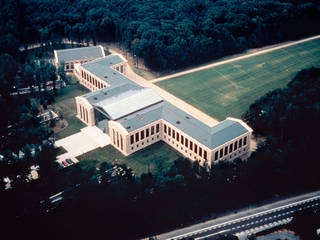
[
  {"x": 152, "y": 130},
  {"x": 169, "y": 131},
  {"x": 178, "y": 136},
  {"x": 114, "y": 137},
  {"x": 216, "y": 156},
  {"x": 225, "y": 150},
  {"x": 121, "y": 68},
  {"x": 195, "y": 148},
  {"x": 181, "y": 139},
  {"x": 117, "y": 139},
  {"x": 157, "y": 127},
  {"x": 205, "y": 155},
  {"x": 142, "y": 135},
  {"x": 121, "y": 142},
  {"x": 200, "y": 151},
  {"x": 245, "y": 141},
  {"x": 240, "y": 143},
  {"x": 236, "y": 145},
  {"x": 190, "y": 145},
  {"x": 173, "y": 134},
  {"x": 71, "y": 65},
  {"x": 137, "y": 137},
  {"x": 230, "y": 148},
  {"x": 67, "y": 66},
  {"x": 147, "y": 132},
  {"x": 131, "y": 139},
  {"x": 165, "y": 128},
  {"x": 186, "y": 143},
  {"x": 221, "y": 153}
]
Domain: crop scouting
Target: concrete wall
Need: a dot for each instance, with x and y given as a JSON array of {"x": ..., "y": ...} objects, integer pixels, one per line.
[{"x": 85, "y": 111}]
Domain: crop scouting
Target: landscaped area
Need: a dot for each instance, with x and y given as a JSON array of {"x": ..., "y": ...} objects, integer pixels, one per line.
[
  {"x": 155, "y": 158},
  {"x": 65, "y": 104},
  {"x": 229, "y": 89}
]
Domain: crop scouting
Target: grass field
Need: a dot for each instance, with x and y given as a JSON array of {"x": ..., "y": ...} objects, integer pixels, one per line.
[
  {"x": 65, "y": 104},
  {"x": 155, "y": 158},
  {"x": 229, "y": 89}
]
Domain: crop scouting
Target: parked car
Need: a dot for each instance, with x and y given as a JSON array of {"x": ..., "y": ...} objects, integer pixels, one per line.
[
  {"x": 65, "y": 163},
  {"x": 68, "y": 160}
]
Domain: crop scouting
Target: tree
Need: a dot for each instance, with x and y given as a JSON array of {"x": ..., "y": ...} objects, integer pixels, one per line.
[
  {"x": 28, "y": 76},
  {"x": 8, "y": 70}
]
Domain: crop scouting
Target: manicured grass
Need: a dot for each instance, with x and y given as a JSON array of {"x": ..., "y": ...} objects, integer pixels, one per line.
[
  {"x": 155, "y": 158},
  {"x": 65, "y": 104},
  {"x": 143, "y": 73},
  {"x": 229, "y": 89}
]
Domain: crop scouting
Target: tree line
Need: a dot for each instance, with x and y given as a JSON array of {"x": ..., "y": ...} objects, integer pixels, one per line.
[{"x": 166, "y": 34}]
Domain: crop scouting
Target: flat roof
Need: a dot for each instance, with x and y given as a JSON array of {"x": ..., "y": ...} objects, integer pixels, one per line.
[
  {"x": 211, "y": 137},
  {"x": 102, "y": 69},
  {"x": 82, "y": 53}
]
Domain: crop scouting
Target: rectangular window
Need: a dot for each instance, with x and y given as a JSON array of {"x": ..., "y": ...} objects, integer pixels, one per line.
[
  {"x": 121, "y": 68},
  {"x": 230, "y": 148},
  {"x": 131, "y": 139},
  {"x": 240, "y": 143},
  {"x": 178, "y": 136},
  {"x": 236, "y": 145},
  {"x": 121, "y": 142},
  {"x": 245, "y": 141},
  {"x": 186, "y": 143},
  {"x": 147, "y": 132},
  {"x": 142, "y": 134},
  {"x": 137, "y": 137},
  {"x": 205, "y": 155},
  {"x": 191, "y": 145},
  {"x": 200, "y": 151},
  {"x": 114, "y": 137},
  {"x": 225, "y": 150},
  {"x": 157, "y": 127},
  {"x": 221, "y": 152},
  {"x": 195, "y": 148},
  {"x": 165, "y": 128},
  {"x": 117, "y": 139},
  {"x": 169, "y": 131},
  {"x": 152, "y": 130},
  {"x": 181, "y": 139},
  {"x": 216, "y": 155},
  {"x": 173, "y": 134}
]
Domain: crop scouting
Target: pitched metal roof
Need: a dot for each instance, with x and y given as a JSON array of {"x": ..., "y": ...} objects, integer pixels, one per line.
[
  {"x": 82, "y": 53},
  {"x": 127, "y": 102}
]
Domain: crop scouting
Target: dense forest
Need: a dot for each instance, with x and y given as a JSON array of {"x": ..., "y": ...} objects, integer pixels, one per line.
[
  {"x": 166, "y": 34},
  {"x": 129, "y": 208}
]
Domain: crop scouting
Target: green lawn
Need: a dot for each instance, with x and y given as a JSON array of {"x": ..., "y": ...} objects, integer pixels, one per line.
[
  {"x": 65, "y": 104},
  {"x": 229, "y": 89},
  {"x": 157, "y": 157}
]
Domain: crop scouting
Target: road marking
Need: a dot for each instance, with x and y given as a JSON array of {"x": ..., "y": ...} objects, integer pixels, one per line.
[
  {"x": 210, "y": 235},
  {"x": 252, "y": 216}
]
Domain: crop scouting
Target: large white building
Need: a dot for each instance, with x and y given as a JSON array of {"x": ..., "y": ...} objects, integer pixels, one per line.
[{"x": 135, "y": 117}]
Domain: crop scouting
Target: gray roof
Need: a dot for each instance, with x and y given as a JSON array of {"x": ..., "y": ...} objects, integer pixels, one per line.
[
  {"x": 73, "y": 54},
  {"x": 123, "y": 100},
  {"x": 102, "y": 69},
  {"x": 211, "y": 137}
]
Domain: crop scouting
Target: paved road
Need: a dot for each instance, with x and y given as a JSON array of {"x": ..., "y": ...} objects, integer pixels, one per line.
[
  {"x": 246, "y": 223},
  {"x": 242, "y": 56}
]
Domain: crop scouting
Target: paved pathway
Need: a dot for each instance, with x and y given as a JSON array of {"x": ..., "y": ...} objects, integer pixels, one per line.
[
  {"x": 88, "y": 139},
  {"x": 255, "y": 53}
]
